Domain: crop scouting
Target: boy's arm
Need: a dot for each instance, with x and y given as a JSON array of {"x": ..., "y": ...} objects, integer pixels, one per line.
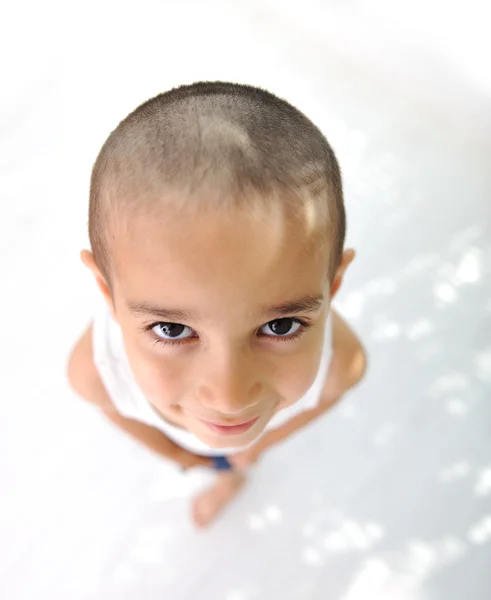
[
  {"x": 155, "y": 440},
  {"x": 347, "y": 368},
  {"x": 85, "y": 380}
]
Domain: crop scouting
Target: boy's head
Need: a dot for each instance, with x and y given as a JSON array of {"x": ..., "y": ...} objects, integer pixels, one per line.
[{"x": 217, "y": 228}]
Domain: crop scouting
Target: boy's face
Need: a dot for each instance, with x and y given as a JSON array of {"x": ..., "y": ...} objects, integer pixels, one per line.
[{"x": 207, "y": 310}]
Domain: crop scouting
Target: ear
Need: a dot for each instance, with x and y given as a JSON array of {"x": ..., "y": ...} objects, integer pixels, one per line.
[
  {"x": 88, "y": 259},
  {"x": 347, "y": 258}
]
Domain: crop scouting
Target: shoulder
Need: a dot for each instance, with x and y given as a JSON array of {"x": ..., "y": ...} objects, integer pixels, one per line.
[
  {"x": 349, "y": 360},
  {"x": 83, "y": 375}
]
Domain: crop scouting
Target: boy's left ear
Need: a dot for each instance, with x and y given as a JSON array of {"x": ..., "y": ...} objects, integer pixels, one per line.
[{"x": 347, "y": 258}]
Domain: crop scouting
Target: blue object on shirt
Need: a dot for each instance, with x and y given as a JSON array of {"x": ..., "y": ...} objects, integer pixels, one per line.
[{"x": 221, "y": 463}]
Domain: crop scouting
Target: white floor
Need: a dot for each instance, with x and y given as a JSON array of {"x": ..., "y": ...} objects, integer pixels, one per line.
[{"x": 388, "y": 497}]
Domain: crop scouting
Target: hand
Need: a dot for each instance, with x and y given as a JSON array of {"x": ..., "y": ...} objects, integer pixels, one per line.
[{"x": 246, "y": 458}]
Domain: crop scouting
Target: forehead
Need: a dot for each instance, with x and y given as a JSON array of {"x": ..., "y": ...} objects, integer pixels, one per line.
[{"x": 218, "y": 261}]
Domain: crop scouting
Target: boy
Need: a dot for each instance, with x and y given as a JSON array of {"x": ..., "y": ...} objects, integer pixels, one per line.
[{"x": 217, "y": 228}]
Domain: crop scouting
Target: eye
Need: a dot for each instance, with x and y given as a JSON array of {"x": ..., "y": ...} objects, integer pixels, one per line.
[
  {"x": 282, "y": 327},
  {"x": 172, "y": 331}
]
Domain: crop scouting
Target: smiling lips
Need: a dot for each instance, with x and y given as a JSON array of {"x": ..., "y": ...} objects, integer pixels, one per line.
[{"x": 230, "y": 429}]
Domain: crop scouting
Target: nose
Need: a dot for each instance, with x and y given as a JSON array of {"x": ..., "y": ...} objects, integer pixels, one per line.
[{"x": 229, "y": 382}]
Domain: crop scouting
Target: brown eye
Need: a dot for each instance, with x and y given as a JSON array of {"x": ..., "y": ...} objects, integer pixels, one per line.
[{"x": 281, "y": 327}]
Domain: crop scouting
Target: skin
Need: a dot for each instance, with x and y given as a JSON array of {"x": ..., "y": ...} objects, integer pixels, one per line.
[{"x": 224, "y": 277}]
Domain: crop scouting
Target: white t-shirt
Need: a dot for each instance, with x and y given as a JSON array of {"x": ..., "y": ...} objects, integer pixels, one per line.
[{"x": 128, "y": 399}]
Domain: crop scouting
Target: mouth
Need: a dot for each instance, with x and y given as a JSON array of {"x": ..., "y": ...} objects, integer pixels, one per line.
[{"x": 234, "y": 429}]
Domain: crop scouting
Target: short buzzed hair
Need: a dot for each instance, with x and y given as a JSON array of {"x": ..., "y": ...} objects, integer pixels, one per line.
[{"x": 238, "y": 140}]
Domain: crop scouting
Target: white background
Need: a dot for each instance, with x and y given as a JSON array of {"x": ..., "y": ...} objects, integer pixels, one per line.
[{"x": 389, "y": 496}]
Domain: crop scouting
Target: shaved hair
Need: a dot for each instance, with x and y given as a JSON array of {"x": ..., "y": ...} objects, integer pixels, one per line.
[{"x": 237, "y": 143}]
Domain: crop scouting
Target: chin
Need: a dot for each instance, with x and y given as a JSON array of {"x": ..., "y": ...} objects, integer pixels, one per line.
[{"x": 218, "y": 442}]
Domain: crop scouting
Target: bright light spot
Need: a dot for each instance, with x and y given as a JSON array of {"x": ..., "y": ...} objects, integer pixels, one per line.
[
  {"x": 367, "y": 585},
  {"x": 311, "y": 211},
  {"x": 453, "y": 548},
  {"x": 353, "y": 536},
  {"x": 335, "y": 542},
  {"x": 422, "y": 263},
  {"x": 374, "y": 531},
  {"x": 354, "y": 533},
  {"x": 422, "y": 555},
  {"x": 469, "y": 270},
  {"x": 445, "y": 292},
  {"x": 453, "y": 382},
  {"x": 483, "y": 484},
  {"x": 457, "y": 407},
  {"x": 353, "y": 305},
  {"x": 312, "y": 557},
  {"x": 483, "y": 365},
  {"x": 478, "y": 535},
  {"x": 386, "y": 330},
  {"x": 273, "y": 513},
  {"x": 391, "y": 330},
  {"x": 420, "y": 329},
  {"x": 256, "y": 523},
  {"x": 456, "y": 471}
]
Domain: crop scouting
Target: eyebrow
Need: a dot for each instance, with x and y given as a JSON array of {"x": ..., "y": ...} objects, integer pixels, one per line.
[
  {"x": 307, "y": 303},
  {"x": 172, "y": 315}
]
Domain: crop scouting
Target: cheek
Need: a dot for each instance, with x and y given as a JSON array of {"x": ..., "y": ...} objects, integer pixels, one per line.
[
  {"x": 157, "y": 377},
  {"x": 296, "y": 378}
]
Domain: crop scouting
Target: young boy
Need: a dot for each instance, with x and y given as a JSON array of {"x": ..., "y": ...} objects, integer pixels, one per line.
[{"x": 217, "y": 228}]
